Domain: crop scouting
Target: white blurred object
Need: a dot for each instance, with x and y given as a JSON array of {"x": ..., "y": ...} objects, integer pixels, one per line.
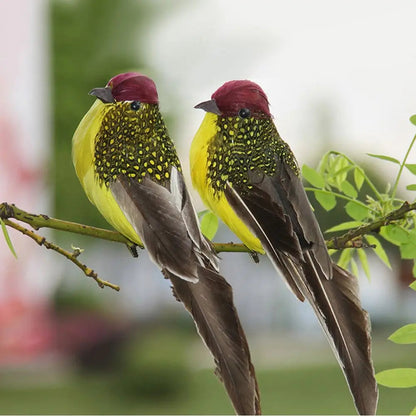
[{"x": 26, "y": 283}]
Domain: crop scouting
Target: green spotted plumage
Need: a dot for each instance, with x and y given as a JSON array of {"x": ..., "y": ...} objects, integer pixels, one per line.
[
  {"x": 134, "y": 144},
  {"x": 249, "y": 177},
  {"x": 128, "y": 167},
  {"x": 242, "y": 145}
]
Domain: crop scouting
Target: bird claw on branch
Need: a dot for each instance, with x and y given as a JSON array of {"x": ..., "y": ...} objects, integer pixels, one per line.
[
  {"x": 351, "y": 239},
  {"x": 357, "y": 242}
]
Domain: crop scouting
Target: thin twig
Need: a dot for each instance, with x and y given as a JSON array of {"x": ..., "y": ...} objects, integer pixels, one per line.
[
  {"x": 342, "y": 241},
  {"x": 230, "y": 248},
  {"x": 37, "y": 221},
  {"x": 402, "y": 165},
  {"x": 70, "y": 256},
  {"x": 351, "y": 239}
]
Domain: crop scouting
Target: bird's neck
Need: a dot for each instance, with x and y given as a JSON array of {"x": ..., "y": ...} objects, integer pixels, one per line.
[
  {"x": 133, "y": 143},
  {"x": 243, "y": 145}
]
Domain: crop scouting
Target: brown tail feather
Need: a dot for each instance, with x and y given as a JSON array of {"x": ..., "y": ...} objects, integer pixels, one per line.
[{"x": 210, "y": 302}]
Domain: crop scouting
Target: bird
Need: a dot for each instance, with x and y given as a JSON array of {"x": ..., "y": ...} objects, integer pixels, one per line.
[
  {"x": 129, "y": 169},
  {"x": 249, "y": 177}
]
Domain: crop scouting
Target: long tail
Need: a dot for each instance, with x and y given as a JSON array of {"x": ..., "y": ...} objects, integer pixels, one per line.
[
  {"x": 347, "y": 326},
  {"x": 210, "y": 302},
  {"x": 278, "y": 212}
]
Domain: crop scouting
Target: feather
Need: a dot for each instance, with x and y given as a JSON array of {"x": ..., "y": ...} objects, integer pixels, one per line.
[
  {"x": 153, "y": 212},
  {"x": 210, "y": 302},
  {"x": 278, "y": 212},
  {"x": 190, "y": 219},
  {"x": 165, "y": 220}
]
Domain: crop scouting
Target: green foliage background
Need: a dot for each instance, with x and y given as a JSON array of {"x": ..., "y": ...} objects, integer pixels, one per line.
[{"x": 92, "y": 40}]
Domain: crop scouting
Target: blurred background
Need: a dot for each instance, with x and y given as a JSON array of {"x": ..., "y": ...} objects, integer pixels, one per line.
[{"x": 339, "y": 75}]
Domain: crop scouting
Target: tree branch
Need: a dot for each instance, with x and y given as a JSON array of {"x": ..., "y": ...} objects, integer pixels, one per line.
[
  {"x": 70, "y": 256},
  {"x": 347, "y": 240},
  {"x": 352, "y": 238},
  {"x": 39, "y": 221}
]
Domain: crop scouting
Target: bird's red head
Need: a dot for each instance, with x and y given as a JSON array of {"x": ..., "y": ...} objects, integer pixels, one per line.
[
  {"x": 241, "y": 94},
  {"x": 129, "y": 86},
  {"x": 133, "y": 86}
]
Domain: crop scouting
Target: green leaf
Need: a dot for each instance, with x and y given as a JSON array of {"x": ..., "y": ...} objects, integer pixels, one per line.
[
  {"x": 364, "y": 262},
  {"x": 354, "y": 267},
  {"x": 344, "y": 226},
  {"x": 348, "y": 189},
  {"x": 7, "y": 238},
  {"x": 394, "y": 234},
  {"x": 209, "y": 225},
  {"x": 413, "y": 119},
  {"x": 404, "y": 335},
  {"x": 356, "y": 210},
  {"x": 326, "y": 199},
  {"x": 408, "y": 250},
  {"x": 411, "y": 187},
  {"x": 202, "y": 213},
  {"x": 313, "y": 177},
  {"x": 340, "y": 170},
  {"x": 379, "y": 250},
  {"x": 411, "y": 167},
  {"x": 343, "y": 171},
  {"x": 383, "y": 157},
  {"x": 397, "y": 377},
  {"x": 345, "y": 257},
  {"x": 340, "y": 162},
  {"x": 413, "y": 285},
  {"x": 323, "y": 164},
  {"x": 413, "y": 412},
  {"x": 358, "y": 178}
]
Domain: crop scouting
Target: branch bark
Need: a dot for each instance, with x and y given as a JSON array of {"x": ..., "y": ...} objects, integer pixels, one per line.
[
  {"x": 352, "y": 238},
  {"x": 37, "y": 221},
  {"x": 70, "y": 256},
  {"x": 347, "y": 240}
]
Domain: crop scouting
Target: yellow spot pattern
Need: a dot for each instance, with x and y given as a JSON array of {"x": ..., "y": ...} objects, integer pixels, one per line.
[
  {"x": 143, "y": 146},
  {"x": 251, "y": 144}
]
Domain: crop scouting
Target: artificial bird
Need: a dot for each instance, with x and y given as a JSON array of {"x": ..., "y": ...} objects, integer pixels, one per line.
[
  {"x": 247, "y": 175},
  {"x": 129, "y": 169}
]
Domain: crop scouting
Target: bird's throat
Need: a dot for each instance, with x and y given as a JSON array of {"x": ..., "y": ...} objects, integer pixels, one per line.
[{"x": 134, "y": 144}]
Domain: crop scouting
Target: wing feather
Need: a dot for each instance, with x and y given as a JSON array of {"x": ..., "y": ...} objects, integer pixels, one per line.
[
  {"x": 152, "y": 211},
  {"x": 278, "y": 212},
  {"x": 165, "y": 220},
  {"x": 190, "y": 219}
]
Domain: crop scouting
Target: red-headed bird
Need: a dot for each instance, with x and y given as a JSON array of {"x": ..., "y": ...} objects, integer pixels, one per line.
[
  {"x": 129, "y": 169},
  {"x": 248, "y": 176}
]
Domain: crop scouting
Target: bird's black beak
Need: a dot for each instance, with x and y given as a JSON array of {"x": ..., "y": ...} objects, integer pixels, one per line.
[
  {"x": 209, "y": 106},
  {"x": 104, "y": 94}
]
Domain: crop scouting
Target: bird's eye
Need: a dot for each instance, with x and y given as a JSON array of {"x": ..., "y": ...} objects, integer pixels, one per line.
[
  {"x": 135, "y": 105},
  {"x": 244, "y": 113}
]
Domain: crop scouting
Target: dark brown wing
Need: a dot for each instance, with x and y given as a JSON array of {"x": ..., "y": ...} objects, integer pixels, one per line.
[
  {"x": 166, "y": 222},
  {"x": 278, "y": 212}
]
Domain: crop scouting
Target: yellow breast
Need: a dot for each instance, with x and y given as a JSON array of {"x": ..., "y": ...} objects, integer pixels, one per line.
[
  {"x": 83, "y": 159},
  {"x": 217, "y": 201}
]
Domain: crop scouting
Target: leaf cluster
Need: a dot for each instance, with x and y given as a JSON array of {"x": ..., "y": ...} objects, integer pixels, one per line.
[
  {"x": 376, "y": 217},
  {"x": 401, "y": 377},
  {"x": 338, "y": 179}
]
